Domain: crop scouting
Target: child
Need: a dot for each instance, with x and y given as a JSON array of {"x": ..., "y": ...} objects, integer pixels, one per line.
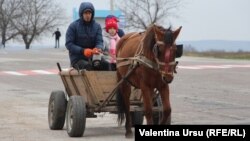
[
  {"x": 120, "y": 32},
  {"x": 111, "y": 40}
]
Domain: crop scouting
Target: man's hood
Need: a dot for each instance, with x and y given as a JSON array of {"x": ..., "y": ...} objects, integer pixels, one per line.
[{"x": 84, "y": 6}]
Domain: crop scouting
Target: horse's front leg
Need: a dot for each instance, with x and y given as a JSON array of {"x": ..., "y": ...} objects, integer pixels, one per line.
[
  {"x": 147, "y": 95},
  {"x": 166, "y": 113}
]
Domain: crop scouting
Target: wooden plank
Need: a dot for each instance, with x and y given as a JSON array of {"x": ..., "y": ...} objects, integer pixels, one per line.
[
  {"x": 108, "y": 86},
  {"x": 92, "y": 97},
  {"x": 70, "y": 86},
  {"x": 113, "y": 103},
  {"x": 68, "y": 91},
  {"x": 107, "y": 81},
  {"x": 70, "y": 72},
  {"x": 93, "y": 84},
  {"x": 132, "y": 108},
  {"x": 81, "y": 88},
  {"x": 102, "y": 82},
  {"x": 89, "y": 89}
]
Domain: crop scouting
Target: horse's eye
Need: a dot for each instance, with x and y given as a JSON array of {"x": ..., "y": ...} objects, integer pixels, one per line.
[
  {"x": 161, "y": 50},
  {"x": 156, "y": 50}
]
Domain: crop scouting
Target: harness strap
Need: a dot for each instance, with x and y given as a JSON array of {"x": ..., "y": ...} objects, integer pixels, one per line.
[
  {"x": 124, "y": 63},
  {"x": 129, "y": 82},
  {"x": 141, "y": 59},
  {"x": 144, "y": 61}
]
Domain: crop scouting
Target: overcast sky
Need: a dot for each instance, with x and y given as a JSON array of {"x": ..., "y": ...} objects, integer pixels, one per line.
[
  {"x": 215, "y": 19},
  {"x": 200, "y": 19}
]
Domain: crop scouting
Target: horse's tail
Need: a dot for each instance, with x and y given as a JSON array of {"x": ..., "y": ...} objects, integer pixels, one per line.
[{"x": 120, "y": 102}]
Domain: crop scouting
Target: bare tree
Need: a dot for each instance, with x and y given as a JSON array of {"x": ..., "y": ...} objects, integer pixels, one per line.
[
  {"x": 8, "y": 12},
  {"x": 140, "y": 14},
  {"x": 38, "y": 17}
]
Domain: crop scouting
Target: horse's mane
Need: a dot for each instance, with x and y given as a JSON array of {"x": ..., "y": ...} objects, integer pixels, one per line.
[
  {"x": 149, "y": 40},
  {"x": 123, "y": 40}
]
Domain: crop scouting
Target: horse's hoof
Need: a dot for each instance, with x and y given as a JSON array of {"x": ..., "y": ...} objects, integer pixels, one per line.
[{"x": 129, "y": 135}]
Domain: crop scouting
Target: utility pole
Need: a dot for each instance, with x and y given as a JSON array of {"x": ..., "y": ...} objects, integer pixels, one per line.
[{"x": 112, "y": 6}]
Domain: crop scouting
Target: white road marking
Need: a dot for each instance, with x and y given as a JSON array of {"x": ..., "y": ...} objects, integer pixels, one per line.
[
  {"x": 43, "y": 72},
  {"x": 13, "y": 73},
  {"x": 55, "y": 71}
]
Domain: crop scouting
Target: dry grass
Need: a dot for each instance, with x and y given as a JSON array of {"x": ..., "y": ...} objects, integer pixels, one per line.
[{"x": 219, "y": 54}]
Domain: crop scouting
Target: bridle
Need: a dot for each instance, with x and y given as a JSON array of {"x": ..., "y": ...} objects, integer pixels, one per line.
[{"x": 165, "y": 66}]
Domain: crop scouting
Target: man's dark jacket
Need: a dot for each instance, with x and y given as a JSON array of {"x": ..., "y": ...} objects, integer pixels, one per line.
[{"x": 81, "y": 35}]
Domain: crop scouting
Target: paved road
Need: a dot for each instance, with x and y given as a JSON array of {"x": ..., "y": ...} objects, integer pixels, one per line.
[{"x": 205, "y": 91}]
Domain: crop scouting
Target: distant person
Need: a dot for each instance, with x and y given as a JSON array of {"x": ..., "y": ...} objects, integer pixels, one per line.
[
  {"x": 57, "y": 37},
  {"x": 120, "y": 32},
  {"x": 84, "y": 38}
]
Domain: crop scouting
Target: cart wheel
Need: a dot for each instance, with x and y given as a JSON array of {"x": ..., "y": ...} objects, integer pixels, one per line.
[
  {"x": 76, "y": 116},
  {"x": 57, "y": 110},
  {"x": 137, "y": 118},
  {"x": 157, "y": 115}
]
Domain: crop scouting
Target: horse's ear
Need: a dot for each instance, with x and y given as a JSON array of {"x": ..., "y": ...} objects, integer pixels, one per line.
[{"x": 176, "y": 32}]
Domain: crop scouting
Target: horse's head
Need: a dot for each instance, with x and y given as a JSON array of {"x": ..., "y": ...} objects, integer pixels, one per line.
[{"x": 164, "y": 51}]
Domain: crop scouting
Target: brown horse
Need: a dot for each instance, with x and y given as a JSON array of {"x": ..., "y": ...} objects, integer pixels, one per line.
[{"x": 149, "y": 57}]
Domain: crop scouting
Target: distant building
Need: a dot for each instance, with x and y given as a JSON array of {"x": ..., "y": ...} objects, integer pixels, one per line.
[{"x": 100, "y": 16}]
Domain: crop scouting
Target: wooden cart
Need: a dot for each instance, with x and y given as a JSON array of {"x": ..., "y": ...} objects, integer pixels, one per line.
[{"x": 87, "y": 93}]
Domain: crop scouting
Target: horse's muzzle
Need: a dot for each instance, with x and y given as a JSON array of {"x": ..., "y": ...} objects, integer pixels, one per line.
[
  {"x": 167, "y": 78},
  {"x": 168, "y": 74}
]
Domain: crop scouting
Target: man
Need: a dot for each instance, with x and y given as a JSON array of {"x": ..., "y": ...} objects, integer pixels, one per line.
[
  {"x": 84, "y": 38},
  {"x": 57, "y": 37}
]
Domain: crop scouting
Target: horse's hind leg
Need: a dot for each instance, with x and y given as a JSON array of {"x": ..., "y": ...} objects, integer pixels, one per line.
[
  {"x": 166, "y": 114},
  {"x": 123, "y": 103},
  {"x": 126, "y": 90}
]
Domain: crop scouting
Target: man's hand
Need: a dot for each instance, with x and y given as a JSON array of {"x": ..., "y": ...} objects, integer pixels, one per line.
[
  {"x": 88, "y": 52},
  {"x": 96, "y": 51}
]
